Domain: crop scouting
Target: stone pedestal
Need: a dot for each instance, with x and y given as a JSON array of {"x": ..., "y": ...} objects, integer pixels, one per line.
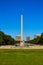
[{"x": 21, "y": 44}]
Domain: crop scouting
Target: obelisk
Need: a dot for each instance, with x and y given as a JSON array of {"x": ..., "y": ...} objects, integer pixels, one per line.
[{"x": 21, "y": 32}]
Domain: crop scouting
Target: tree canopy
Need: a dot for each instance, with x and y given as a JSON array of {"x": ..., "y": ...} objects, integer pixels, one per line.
[
  {"x": 6, "y": 39},
  {"x": 38, "y": 40}
]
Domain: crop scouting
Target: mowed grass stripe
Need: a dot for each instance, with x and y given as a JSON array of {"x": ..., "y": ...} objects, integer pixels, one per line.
[{"x": 21, "y": 57}]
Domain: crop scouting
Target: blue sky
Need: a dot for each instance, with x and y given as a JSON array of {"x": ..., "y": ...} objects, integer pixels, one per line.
[{"x": 10, "y": 11}]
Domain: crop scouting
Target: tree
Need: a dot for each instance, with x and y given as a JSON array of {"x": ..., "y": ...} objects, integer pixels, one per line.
[
  {"x": 36, "y": 40},
  {"x": 6, "y": 39},
  {"x": 41, "y": 39}
]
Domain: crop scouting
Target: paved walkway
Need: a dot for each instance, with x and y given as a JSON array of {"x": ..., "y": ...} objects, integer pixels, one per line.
[{"x": 13, "y": 47}]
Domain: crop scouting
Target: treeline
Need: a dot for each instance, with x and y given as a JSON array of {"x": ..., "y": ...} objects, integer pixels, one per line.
[
  {"x": 6, "y": 39},
  {"x": 38, "y": 40}
]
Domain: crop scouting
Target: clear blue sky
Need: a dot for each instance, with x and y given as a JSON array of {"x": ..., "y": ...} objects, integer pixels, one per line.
[{"x": 10, "y": 11}]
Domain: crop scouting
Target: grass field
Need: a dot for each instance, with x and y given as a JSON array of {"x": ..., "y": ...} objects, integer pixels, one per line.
[{"x": 21, "y": 57}]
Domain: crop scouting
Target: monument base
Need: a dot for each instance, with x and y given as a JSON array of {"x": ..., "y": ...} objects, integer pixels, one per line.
[{"x": 21, "y": 44}]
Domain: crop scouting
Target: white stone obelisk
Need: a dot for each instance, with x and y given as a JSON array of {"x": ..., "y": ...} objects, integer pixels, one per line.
[
  {"x": 21, "y": 42},
  {"x": 21, "y": 27}
]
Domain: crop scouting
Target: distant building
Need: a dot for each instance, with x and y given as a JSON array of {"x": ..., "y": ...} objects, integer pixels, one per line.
[
  {"x": 27, "y": 38},
  {"x": 18, "y": 38},
  {"x": 35, "y": 36}
]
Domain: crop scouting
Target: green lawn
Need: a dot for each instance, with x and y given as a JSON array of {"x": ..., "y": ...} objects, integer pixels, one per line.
[{"x": 21, "y": 57}]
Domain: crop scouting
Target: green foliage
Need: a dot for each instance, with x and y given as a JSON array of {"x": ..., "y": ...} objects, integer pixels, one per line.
[
  {"x": 17, "y": 41},
  {"x": 38, "y": 40},
  {"x": 27, "y": 41},
  {"x": 41, "y": 39},
  {"x": 6, "y": 39}
]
